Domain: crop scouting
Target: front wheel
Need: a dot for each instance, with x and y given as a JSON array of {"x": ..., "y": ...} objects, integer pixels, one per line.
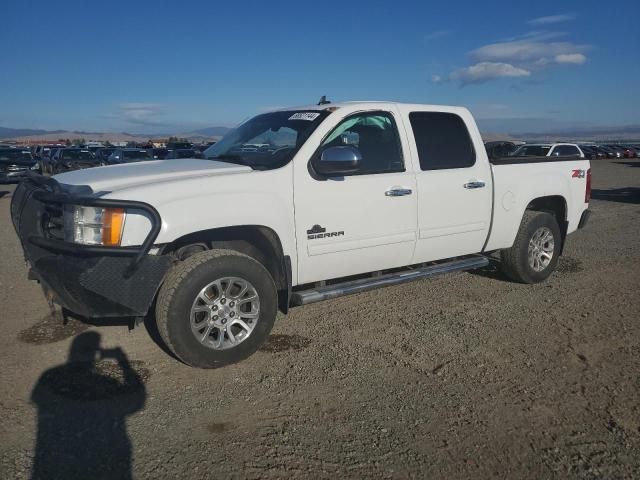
[
  {"x": 535, "y": 251},
  {"x": 216, "y": 307}
]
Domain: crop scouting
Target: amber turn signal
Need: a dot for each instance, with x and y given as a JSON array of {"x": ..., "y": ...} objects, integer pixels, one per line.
[{"x": 112, "y": 225}]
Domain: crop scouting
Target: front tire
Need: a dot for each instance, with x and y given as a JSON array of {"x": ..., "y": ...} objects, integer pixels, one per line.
[
  {"x": 536, "y": 249},
  {"x": 216, "y": 308}
]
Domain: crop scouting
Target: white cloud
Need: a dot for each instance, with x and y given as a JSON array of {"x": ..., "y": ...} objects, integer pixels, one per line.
[
  {"x": 565, "y": 17},
  {"x": 139, "y": 113},
  {"x": 484, "y": 71},
  {"x": 573, "y": 58},
  {"x": 523, "y": 51},
  {"x": 537, "y": 36},
  {"x": 517, "y": 58},
  {"x": 438, "y": 34}
]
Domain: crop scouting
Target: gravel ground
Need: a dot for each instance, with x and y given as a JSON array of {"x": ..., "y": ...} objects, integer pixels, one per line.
[{"x": 462, "y": 376}]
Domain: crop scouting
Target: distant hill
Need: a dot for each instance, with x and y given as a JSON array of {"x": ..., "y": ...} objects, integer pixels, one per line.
[
  {"x": 629, "y": 132},
  {"x": 30, "y": 134},
  {"x": 6, "y": 132},
  {"x": 210, "y": 132}
]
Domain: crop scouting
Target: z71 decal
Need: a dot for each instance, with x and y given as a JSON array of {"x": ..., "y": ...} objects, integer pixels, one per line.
[
  {"x": 320, "y": 232},
  {"x": 578, "y": 174}
]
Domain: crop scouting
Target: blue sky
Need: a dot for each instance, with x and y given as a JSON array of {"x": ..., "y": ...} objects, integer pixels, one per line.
[{"x": 160, "y": 66}]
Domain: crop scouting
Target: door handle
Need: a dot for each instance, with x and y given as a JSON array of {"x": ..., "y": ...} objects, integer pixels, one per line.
[
  {"x": 398, "y": 192},
  {"x": 474, "y": 185}
]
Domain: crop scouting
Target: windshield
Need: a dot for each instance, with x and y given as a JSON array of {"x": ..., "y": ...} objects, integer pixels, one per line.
[
  {"x": 77, "y": 155},
  {"x": 266, "y": 141},
  {"x": 532, "y": 151},
  {"x": 136, "y": 154},
  {"x": 14, "y": 154}
]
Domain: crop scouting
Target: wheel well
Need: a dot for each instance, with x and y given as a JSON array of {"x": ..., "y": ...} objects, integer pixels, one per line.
[
  {"x": 256, "y": 241},
  {"x": 556, "y": 205}
]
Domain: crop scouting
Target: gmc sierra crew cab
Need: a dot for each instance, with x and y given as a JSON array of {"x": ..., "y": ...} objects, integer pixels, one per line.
[{"x": 292, "y": 207}]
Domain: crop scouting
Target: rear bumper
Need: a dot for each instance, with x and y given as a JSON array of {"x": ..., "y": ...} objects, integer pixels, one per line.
[
  {"x": 90, "y": 281},
  {"x": 584, "y": 219}
]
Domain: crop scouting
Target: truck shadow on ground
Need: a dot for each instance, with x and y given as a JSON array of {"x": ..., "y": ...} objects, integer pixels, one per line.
[
  {"x": 82, "y": 409},
  {"x": 620, "y": 195},
  {"x": 566, "y": 265},
  {"x": 629, "y": 164},
  {"x": 492, "y": 271},
  {"x": 4, "y": 192}
]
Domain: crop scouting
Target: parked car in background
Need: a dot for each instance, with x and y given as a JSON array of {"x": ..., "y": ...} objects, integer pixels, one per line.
[
  {"x": 184, "y": 153},
  {"x": 179, "y": 145},
  {"x": 47, "y": 159},
  {"x": 590, "y": 152},
  {"x": 16, "y": 163},
  {"x": 159, "y": 153},
  {"x": 202, "y": 147},
  {"x": 548, "y": 150},
  {"x": 103, "y": 153},
  {"x": 599, "y": 151},
  {"x": 629, "y": 152},
  {"x": 129, "y": 155},
  {"x": 41, "y": 151},
  {"x": 617, "y": 152},
  {"x": 500, "y": 148},
  {"x": 609, "y": 153},
  {"x": 67, "y": 159}
]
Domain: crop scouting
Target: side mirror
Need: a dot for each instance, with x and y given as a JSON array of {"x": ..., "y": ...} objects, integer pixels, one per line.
[{"x": 337, "y": 161}]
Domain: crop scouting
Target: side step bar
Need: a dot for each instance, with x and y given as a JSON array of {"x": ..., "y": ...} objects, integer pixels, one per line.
[{"x": 327, "y": 292}]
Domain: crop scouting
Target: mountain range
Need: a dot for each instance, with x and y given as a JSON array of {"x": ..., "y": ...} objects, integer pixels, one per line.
[{"x": 26, "y": 134}]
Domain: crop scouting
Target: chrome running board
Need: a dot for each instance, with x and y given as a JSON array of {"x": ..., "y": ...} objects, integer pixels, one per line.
[{"x": 312, "y": 295}]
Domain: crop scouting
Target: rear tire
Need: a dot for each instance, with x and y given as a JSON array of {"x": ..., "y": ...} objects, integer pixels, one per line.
[
  {"x": 536, "y": 249},
  {"x": 216, "y": 308}
]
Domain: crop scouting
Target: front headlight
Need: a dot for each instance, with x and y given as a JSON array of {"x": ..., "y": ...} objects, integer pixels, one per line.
[{"x": 93, "y": 225}]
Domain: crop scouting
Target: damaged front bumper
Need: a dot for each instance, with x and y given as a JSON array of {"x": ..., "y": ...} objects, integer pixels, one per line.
[{"x": 92, "y": 281}]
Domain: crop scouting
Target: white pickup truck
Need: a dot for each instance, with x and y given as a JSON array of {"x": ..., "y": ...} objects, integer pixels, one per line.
[{"x": 292, "y": 207}]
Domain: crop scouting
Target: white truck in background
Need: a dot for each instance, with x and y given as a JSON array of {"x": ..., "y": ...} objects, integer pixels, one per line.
[{"x": 387, "y": 192}]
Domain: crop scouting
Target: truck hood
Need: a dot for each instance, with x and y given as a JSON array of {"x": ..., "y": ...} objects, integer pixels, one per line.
[{"x": 117, "y": 177}]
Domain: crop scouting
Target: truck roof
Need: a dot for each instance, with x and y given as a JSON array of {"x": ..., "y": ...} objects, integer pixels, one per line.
[{"x": 363, "y": 104}]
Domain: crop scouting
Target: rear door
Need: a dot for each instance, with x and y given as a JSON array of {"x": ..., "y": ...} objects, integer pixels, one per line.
[
  {"x": 360, "y": 222},
  {"x": 454, "y": 183}
]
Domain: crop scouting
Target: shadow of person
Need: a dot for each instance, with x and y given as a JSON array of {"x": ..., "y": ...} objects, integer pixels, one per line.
[{"x": 82, "y": 409}]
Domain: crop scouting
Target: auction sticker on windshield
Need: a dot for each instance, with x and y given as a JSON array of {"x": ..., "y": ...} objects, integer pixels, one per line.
[{"x": 309, "y": 116}]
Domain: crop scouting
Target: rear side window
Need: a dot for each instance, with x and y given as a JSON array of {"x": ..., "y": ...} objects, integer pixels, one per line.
[
  {"x": 443, "y": 140},
  {"x": 565, "y": 150}
]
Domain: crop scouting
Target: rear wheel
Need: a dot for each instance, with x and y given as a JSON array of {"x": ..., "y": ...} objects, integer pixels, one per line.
[
  {"x": 535, "y": 251},
  {"x": 216, "y": 307}
]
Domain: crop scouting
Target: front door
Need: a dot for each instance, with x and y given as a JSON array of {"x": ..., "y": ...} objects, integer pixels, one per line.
[{"x": 363, "y": 221}]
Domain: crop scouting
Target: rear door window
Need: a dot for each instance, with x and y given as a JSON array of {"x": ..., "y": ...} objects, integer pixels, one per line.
[
  {"x": 442, "y": 140},
  {"x": 565, "y": 151}
]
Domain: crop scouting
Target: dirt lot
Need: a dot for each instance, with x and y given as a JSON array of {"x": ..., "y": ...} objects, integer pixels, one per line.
[{"x": 462, "y": 376}]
